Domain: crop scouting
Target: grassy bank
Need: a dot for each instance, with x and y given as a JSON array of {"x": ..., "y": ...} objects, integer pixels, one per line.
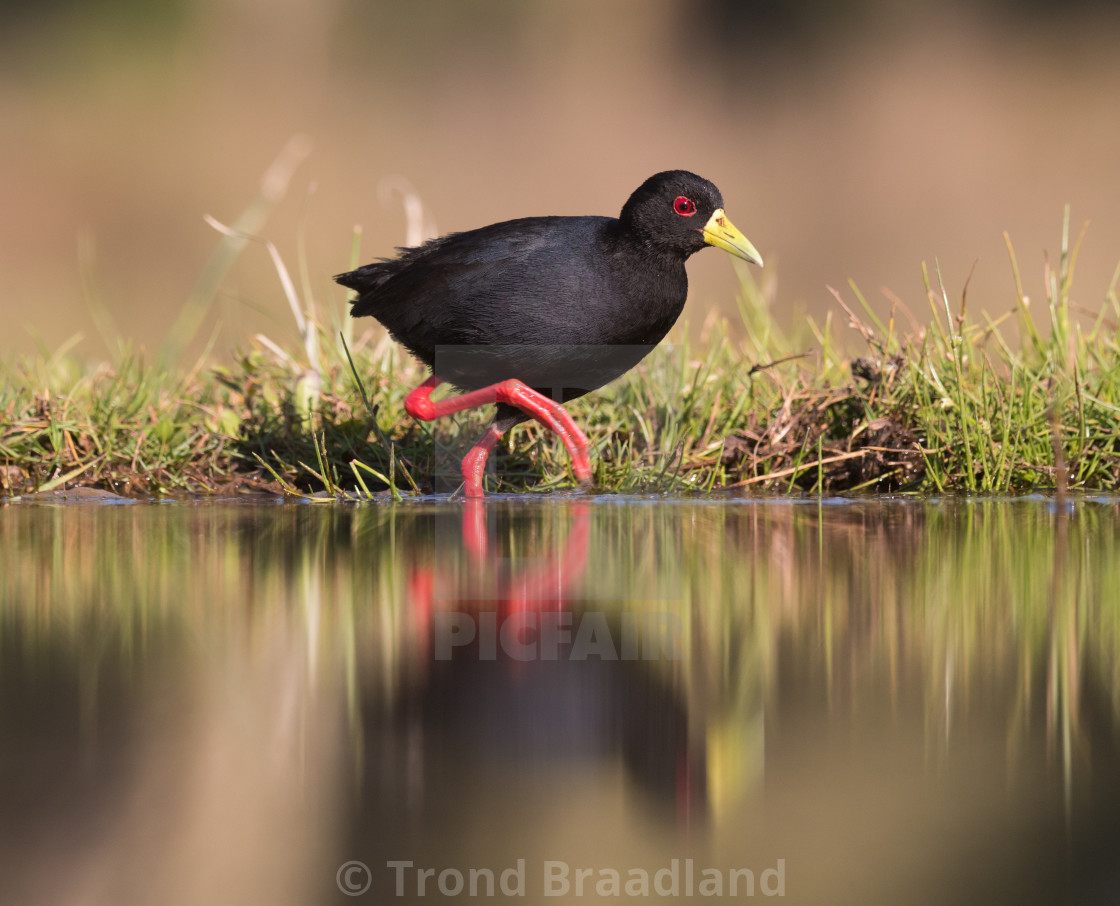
[{"x": 940, "y": 398}]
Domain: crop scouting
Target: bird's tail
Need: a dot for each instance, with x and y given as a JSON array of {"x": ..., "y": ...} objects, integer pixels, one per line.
[
  {"x": 364, "y": 281},
  {"x": 367, "y": 277}
]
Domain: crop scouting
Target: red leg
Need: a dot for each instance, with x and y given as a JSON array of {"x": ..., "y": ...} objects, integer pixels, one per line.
[
  {"x": 474, "y": 463},
  {"x": 552, "y": 415}
]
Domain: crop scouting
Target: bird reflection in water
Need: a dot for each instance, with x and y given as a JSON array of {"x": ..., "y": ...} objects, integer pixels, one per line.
[{"x": 478, "y": 722}]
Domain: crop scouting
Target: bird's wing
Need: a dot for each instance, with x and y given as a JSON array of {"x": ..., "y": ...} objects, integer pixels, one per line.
[{"x": 497, "y": 284}]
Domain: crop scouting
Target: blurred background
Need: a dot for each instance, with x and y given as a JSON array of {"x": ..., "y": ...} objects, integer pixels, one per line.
[{"x": 851, "y": 139}]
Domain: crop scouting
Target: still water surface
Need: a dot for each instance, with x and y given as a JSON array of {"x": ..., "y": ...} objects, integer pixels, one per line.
[{"x": 875, "y": 701}]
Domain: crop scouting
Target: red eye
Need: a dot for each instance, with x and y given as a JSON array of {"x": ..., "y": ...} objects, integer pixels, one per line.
[{"x": 684, "y": 206}]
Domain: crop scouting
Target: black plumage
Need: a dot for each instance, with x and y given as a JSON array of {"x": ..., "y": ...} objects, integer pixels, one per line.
[{"x": 561, "y": 304}]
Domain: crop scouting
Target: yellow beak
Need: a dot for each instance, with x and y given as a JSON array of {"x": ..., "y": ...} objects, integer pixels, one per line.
[{"x": 723, "y": 234}]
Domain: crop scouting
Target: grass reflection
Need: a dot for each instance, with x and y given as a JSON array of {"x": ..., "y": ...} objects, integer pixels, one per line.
[
  {"x": 268, "y": 630},
  {"x": 866, "y": 594}
]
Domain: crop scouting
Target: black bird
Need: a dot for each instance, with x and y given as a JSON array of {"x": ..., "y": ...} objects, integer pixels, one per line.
[{"x": 533, "y": 312}]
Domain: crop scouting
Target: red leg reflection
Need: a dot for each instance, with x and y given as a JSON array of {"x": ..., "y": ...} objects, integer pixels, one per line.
[
  {"x": 475, "y": 539},
  {"x": 547, "y": 587}
]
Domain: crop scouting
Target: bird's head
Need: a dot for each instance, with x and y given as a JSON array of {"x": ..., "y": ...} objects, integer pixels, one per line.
[{"x": 681, "y": 212}]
